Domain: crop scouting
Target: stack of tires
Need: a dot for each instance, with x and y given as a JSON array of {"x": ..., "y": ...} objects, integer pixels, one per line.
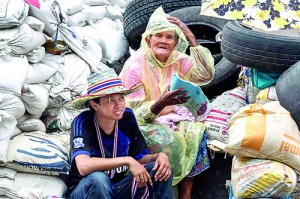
[{"x": 268, "y": 53}]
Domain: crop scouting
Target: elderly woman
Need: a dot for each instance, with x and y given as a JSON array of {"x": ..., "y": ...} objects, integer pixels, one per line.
[{"x": 166, "y": 125}]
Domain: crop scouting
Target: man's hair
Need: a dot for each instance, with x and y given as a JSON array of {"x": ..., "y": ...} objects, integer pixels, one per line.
[{"x": 96, "y": 100}]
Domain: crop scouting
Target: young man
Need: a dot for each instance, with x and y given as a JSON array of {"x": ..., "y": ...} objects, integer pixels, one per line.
[{"x": 109, "y": 156}]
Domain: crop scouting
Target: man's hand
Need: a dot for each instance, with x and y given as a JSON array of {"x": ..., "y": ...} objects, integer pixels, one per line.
[
  {"x": 163, "y": 167},
  {"x": 140, "y": 173}
]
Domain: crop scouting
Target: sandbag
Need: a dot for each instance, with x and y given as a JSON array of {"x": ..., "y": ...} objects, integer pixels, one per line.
[
  {"x": 13, "y": 13},
  {"x": 14, "y": 71},
  {"x": 71, "y": 76},
  {"x": 265, "y": 132},
  {"x": 257, "y": 178},
  {"x": 35, "y": 98},
  {"x": 113, "y": 13},
  {"x": 58, "y": 117},
  {"x": 28, "y": 185},
  {"x": 38, "y": 152},
  {"x": 48, "y": 13},
  {"x": 7, "y": 126},
  {"x": 31, "y": 125},
  {"x": 22, "y": 39},
  {"x": 267, "y": 95},
  {"x": 11, "y": 103},
  {"x": 113, "y": 42},
  {"x": 94, "y": 13},
  {"x": 36, "y": 55},
  {"x": 223, "y": 107},
  {"x": 39, "y": 72},
  {"x": 77, "y": 19},
  {"x": 71, "y": 8},
  {"x": 55, "y": 19},
  {"x": 35, "y": 23},
  {"x": 96, "y": 2}
]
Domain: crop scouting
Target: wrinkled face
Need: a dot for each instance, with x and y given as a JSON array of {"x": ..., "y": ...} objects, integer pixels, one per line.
[
  {"x": 162, "y": 44},
  {"x": 111, "y": 107}
]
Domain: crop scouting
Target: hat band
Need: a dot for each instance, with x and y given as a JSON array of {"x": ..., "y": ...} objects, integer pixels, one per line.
[{"x": 104, "y": 85}]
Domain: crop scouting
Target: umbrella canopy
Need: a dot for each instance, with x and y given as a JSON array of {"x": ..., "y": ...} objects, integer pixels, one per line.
[{"x": 266, "y": 15}]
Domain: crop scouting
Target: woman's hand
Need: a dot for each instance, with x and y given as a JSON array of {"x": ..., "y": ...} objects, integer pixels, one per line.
[
  {"x": 163, "y": 167},
  {"x": 140, "y": 173},
  {"x": 169, "y": 98},
  {"x": 187, "y": 32}
]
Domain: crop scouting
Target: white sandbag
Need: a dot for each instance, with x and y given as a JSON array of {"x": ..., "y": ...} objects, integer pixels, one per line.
[
  {"x": 7, "y": 173},
  {"x": 113, "y": 13},
  {"x": 71, "y": 76},
  {"x": 94, "y": 13},
  {"x": 223, "y": 107},
  {"x": 48, "y": 13},
  {"x": 35, "y": 23},
  {"x": 120, "y": 3},
  {"x": 7, "y": 126},
  {"x": 71, "y": 7},
  {"x": 11, "y": 103},
  {"x": 39, "y": 72},
  {"x": 27, "y": 116},
  {"x": 36, "y": 55},
  {"x": 82, "y": 45},
  {"x": 256, "y": 178},
  {"x": 77, "y": 19},
  {"x": 120, "y": 9},
  {"x": 14, "y": 71},
  {"x": 96, "y": 2},
  {"x": 29, "y": 186},
  {"x": 267, "y": 95},
  {"x": 55, "y": 20},
  {"x": 58, "y": 117},
  {"x": 12, "y": 13},
  {"x": 38, "y": 152},
  {"x": 22, "y": 39},
  {"x": 119, "y": 24},
  {"x": 35, "y": 98},
  {"x": 32, "y": 125},
  {"x": 265, "y": 132},
  {"x": 113, "y": 42}
]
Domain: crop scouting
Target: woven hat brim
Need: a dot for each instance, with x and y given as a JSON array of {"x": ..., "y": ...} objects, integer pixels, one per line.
[{"x": 83, "y": 101}]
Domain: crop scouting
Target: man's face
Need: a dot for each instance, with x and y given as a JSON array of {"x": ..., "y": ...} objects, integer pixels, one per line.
[
  {"x": 111, "y": 107},
  {"x": 162, "y": 44}
]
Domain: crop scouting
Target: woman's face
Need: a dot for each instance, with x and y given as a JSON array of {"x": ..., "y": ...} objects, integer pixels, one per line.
[{"x": 162, "y": 44}]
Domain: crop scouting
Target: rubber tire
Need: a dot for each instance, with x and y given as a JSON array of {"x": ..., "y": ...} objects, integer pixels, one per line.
[
  {"x": 138, "y": 12},
  {"x": 259, "y": 50},
  {"x": 288, "y": 89},
  {"x": 225, "y": 78},
  {"x": 205, "y": 28}
]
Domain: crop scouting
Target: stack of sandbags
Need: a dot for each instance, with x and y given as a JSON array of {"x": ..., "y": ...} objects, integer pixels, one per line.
[
  {"x": 223, "y": 107},
  {"x": 264, "y": 132}
]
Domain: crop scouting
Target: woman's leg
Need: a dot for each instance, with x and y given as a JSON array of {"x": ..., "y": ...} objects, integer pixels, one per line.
[
  {"x": 94, "y": 185},
  {"x": 185, "y": 188}
]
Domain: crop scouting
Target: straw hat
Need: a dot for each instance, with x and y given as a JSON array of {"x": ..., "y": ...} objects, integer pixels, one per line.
[{"x": 101, "y": 84}]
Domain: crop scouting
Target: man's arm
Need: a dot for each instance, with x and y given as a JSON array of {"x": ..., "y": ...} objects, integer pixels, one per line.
[
  {"x": 162, "y": 165},
  {"x": 86, "y": 164}
]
